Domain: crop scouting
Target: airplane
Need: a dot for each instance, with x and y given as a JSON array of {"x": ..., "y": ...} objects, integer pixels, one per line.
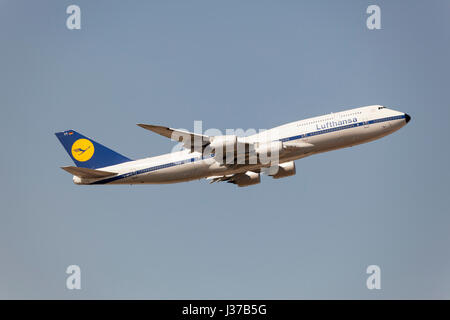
[{"x": 209, "y": 157}]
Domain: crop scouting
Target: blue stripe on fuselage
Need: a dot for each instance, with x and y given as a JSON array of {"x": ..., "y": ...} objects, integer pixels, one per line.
[
  {"x": 146, "y": 170},
  {"x": 353, "y": 125}
]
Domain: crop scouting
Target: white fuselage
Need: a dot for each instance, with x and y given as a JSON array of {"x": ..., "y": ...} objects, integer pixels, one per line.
[{"x": 324, "y": 133}]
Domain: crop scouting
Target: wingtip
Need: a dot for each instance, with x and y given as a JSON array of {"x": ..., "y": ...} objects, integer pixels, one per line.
[
  {"x": 145, "y": 126},
  {"x": 151, "y": 127}
]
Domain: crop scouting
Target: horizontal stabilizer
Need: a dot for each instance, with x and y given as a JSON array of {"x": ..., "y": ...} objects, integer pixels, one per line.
[{"x": 86, "y": 173}]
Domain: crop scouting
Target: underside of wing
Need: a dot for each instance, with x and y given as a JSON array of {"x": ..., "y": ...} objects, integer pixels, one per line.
[
  {"x": 242, "y": 179},
  {"x": 190, "y": 140},
  {"x": 86, "y": 173}
]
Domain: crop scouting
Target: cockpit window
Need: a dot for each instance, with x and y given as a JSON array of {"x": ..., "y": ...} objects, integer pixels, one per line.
[{"x": 379, "y": 108}]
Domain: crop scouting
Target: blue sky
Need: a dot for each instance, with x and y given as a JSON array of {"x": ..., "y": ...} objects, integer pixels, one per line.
[{"x": 231, "y": 64}]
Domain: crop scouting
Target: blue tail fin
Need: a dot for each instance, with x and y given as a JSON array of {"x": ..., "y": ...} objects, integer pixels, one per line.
[{"x": 86, "y": 153}]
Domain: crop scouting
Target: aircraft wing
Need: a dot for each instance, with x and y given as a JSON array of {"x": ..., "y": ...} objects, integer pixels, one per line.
[
  {"x": 190, "y": 140},
  {"x": 197, "y": 142},
  {"x": 88, "y": 173}
]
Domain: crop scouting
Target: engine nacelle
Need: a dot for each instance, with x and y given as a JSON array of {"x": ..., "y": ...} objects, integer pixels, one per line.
[
  {"x": 286, "y": 169},
  {"x": 247, "y": 179}
]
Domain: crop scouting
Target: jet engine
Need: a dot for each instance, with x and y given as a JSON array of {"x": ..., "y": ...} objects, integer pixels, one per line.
[
  {"x": 285, "y": 170},
  {"x": 247, "y": 179}
]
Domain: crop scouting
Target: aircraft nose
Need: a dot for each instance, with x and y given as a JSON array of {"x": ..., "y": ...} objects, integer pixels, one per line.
[{"x": 407, "y": 117}]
